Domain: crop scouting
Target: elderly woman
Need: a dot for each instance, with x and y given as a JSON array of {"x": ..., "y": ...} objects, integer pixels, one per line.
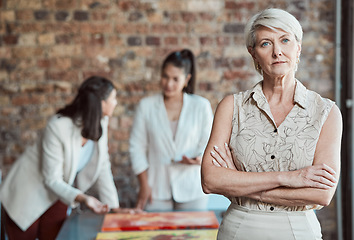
[{"x": 274, "y": 150}]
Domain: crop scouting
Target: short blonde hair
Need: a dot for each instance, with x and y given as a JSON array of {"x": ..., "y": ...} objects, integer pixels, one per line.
[{"x": 272, "y": 18}]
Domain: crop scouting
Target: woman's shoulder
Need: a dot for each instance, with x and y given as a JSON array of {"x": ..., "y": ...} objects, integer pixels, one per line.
[
  {"x": 239, "y": 97},
  {"x": 105, "y": 121},
  {"x": 150, "y": 99},
  {"x": 317, "y": 107},
  {"x": 227, "y": 101},
  {"x": 197, "y": 99},
  {"x": 316, "y": 95},
  {"x": 59, "y": 120},
  {"x": 234, "y": 101},
  {"x": 198, "y": 104},
  {"x": 311, "y": 97},
  {"x": 59, "y": 126},
  {"x": 315, "y": 99}
]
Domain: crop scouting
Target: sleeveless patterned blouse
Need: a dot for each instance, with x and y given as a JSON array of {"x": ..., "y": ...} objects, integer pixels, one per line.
[{"x": 257, "y": 145}]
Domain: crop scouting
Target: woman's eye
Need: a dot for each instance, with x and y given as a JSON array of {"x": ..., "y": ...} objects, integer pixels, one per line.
[
  {"x": 285, "y": 40},
  {"x": 265, "y": 44}
]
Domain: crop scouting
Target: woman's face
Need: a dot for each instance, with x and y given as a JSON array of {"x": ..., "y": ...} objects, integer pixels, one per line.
[
  {"x": 276, "y": 51},
  {"x": 173, "y": 80},
  {"x": 109, "y": 104}
]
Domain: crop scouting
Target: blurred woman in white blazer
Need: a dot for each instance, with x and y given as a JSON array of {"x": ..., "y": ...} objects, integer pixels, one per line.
[
  {"x": 70, "y": 157},
  {"x": 168, "y": 138}
]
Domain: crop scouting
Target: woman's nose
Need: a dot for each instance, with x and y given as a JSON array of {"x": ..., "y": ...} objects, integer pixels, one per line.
[
  {"x": 277, "y": 50},
  {"x": 169, "y": 82}
]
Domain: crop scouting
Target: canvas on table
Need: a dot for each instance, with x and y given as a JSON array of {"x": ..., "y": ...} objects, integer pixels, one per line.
[
  {"x": 203, "y": 234},
  {"x": 159, "y": 220}
]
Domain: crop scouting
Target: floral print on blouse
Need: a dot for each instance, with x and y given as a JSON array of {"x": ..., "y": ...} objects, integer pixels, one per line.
[{"x": 258, "y": 145}]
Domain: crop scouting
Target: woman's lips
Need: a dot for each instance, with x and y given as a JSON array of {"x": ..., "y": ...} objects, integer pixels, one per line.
[{"x": 278, "y": 62}]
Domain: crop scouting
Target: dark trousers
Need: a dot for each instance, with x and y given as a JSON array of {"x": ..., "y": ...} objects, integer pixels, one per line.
[{"x": 46, "y": 227}]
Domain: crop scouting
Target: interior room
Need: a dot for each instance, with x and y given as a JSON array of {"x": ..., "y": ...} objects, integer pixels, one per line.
[{"x": 49, "y": 47}]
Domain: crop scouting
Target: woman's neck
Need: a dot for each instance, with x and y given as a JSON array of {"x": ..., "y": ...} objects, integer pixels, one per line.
[
  {"x": 280, "y": 89},
  {"x": 279, "y": 93},
  {"x": 173, "y": 99},
  {"x": 173, "y": 106}
]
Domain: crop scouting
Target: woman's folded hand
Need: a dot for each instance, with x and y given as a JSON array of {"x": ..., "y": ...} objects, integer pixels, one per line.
[
  {"x": 222, "y": 157},
  {"x": 316, "y": 176}
]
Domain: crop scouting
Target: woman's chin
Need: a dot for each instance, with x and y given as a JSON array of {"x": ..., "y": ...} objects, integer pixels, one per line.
[{"x": 278, "y": 74}]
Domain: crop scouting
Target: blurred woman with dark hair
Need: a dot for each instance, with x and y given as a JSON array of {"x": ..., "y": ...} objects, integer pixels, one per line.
[
  {"x": 73, "y": 149},
  {"x": 168, "y": 138}
]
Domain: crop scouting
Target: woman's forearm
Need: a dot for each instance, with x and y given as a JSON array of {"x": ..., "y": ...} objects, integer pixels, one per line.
[
  {"x": 144, "y": 195},
  {"x": 235, "y": 183},
  {"x": 295, "y": 196},
  {"x": 327, "y": 155},
  {"x": 143, "y": 179}
]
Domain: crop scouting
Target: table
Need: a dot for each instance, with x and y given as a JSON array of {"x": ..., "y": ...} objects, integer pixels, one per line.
[
  {"x": 81, "y": 226},
  {"x": 86, "y": 225}
]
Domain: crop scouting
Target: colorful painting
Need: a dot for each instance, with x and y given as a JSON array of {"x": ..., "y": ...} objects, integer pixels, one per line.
[
  {"x": 159, "y": 220},
  {"x": 203, "y": 234}
]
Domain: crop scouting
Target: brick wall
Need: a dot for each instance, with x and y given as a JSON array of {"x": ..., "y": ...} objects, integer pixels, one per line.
[{"x": 48, "y": 47}]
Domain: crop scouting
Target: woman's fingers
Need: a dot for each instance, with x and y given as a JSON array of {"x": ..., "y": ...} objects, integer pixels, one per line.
[
  {"x": 198, "y": 160},
  {"x": 127, "y": 210},
  {"x": 96, "y": 206},
  {"x": 323, "y": 167},
  {"x": 229, "y": 157},
  {"x": 325, "y": 175},
  {"x": 220, "y": 152},
  {"x": 319, "y": 176},
  {"x": 227, "y": 149},
  {"x": 191, "y": 161},
  {"x": 100, "y": 208},
  {"x": 316, "y": 176},
  {"x": 221, "y": 158},
  {"x": 320, "y": 182},
  {"x": 140, "y": 205},
  {"x": 327, "y": 168},
  {"x": 218, "y": 158},
  {"x": 104, "y": 208},
  {"x": 324, "y": 182},
  {"x": 216, "y": 163},
  {"x": 328, "y": 177}
]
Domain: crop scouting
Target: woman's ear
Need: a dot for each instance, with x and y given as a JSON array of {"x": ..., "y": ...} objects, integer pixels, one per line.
[
  {"x": 251, "y": 51},
  {"x": 299, "y": 50}
]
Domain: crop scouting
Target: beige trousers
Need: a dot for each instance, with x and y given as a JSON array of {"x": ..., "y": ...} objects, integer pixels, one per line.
[{"x": 240, "y": 223}]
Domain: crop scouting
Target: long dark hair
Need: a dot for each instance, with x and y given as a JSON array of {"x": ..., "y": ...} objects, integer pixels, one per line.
[
  {"x": 86, "y": 109},
  {"x": 183, "y": 59}
]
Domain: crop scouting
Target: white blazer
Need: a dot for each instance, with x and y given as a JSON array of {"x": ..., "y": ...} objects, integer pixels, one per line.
[
  {"x": 45, "y": 173},
  {"x": 152, "y": 146}
]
